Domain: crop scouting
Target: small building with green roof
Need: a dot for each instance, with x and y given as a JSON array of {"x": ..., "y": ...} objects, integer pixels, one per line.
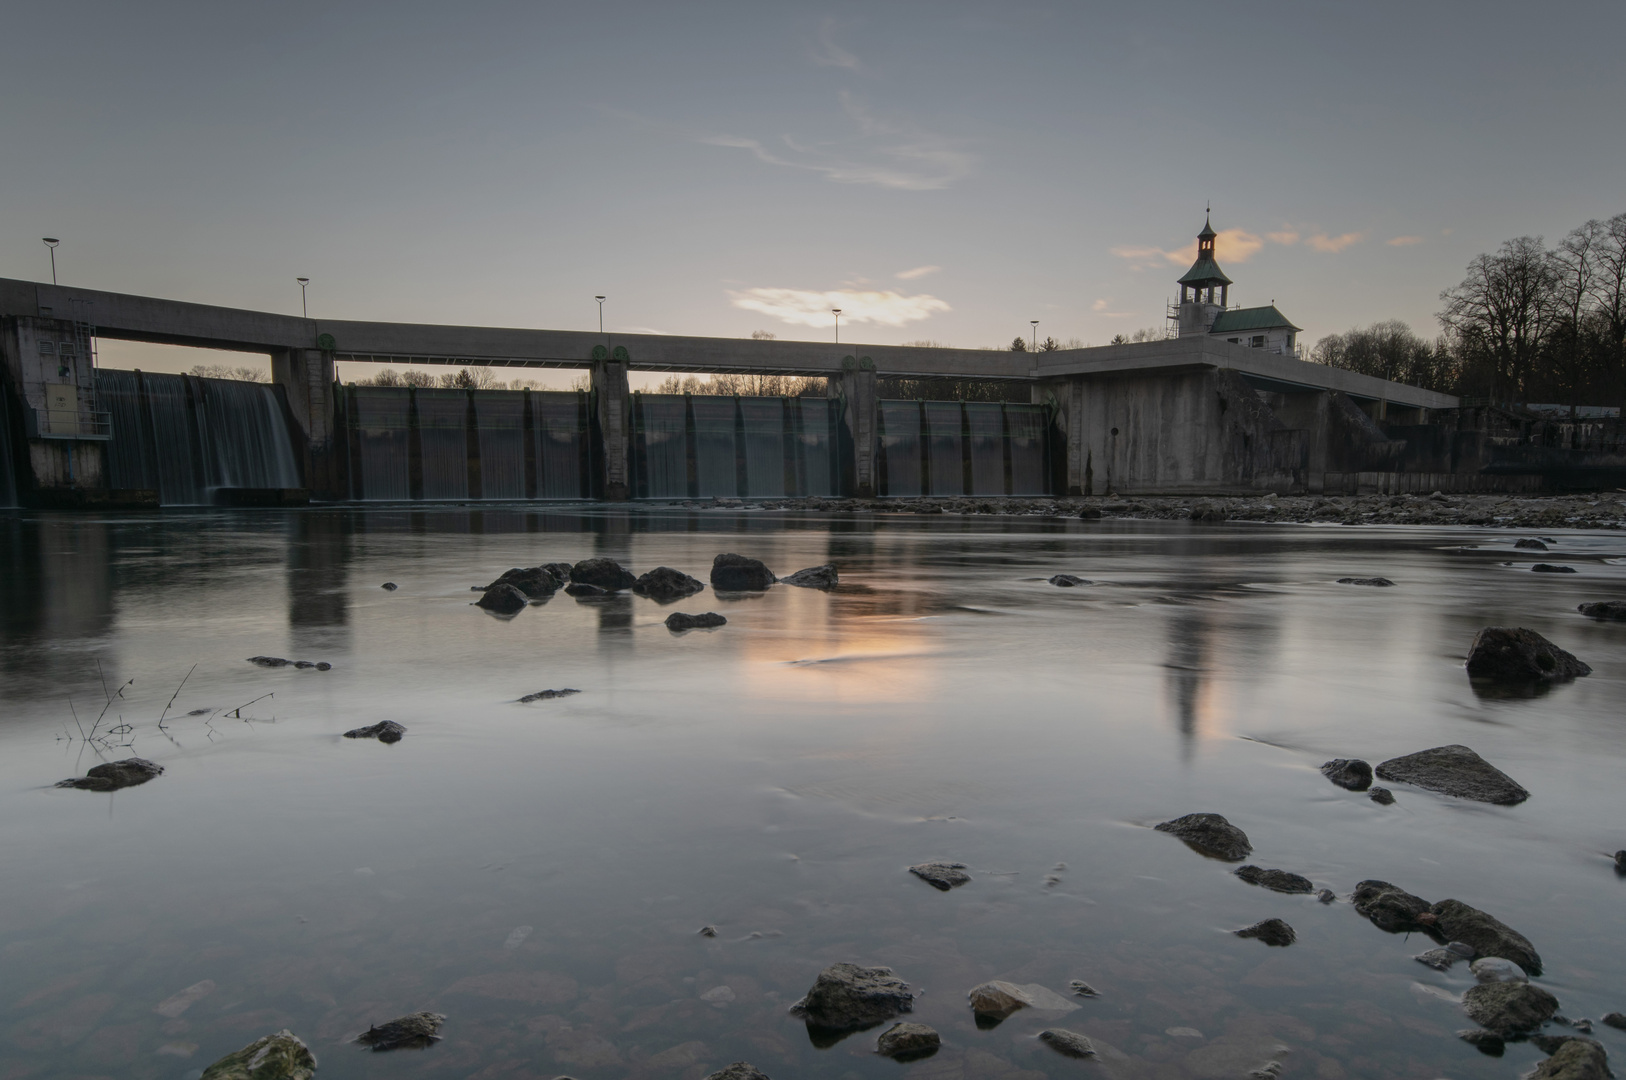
[{"x": 1204, "y": 307}]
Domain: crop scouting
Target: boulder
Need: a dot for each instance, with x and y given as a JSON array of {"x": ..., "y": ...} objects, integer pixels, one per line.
[
  {"x": 1530, "y": 543},
  {"x": 113, "y": 775},
  {"x": 1389, "y": 907},
  {"x": 1210, "y": 834},
  {"x": 1281, "y": 881},
  {"x": 1382, "y": 796},
  {"x": 1620, "y": 861},
  {"x": 1083, "y": 989},
  {"x": 1509, "y": 1009},
  {"x": 389, "y": 586},
  {"x": 1610, "y": 610},
  {"x": 1575, "y": 1059},
  {"x": 1371, "y": 582},
  {"x": 560, "y": 570},
  {"x": 1454, "y": 770},
  {"x": 1551, "y": 568},
  {"x": 1067, "y": 1043},
  {"x": 1444, "y": 959},
  {"x": 581, "y": 590},
  {"x": 269, "y": 661},
  {"x": 1068, "y": 581},
  {"x": 1486, "y": 1042},
  {"x": 736, "y": 573},
  {"x": 1326, "y": 896},
  {"x": 998, "y": 999},
  {"x": 536, "y": 582},
  {"x": 503, "y": 600},
  {"x": 907, "y": 1041},
  {"x": 607, "y": 574},
  {"x": 1495, "y": 969},
  {"x": 1615, "y": 1020},
  {"x": 415, "y": 1031},
  {"x": 664, "y": 585},
  {"x": 1514, "y": 654},
  {"x": 1488, "y": 936},
  {"x": 849, "y": 996},
  {"x": 815, "y": 577},
  {"x": 1352, "y": 774},
  {"x": 385, "y": 731},
  {"x": 547, "y": 695},
  {"x": 941, "y": 875},
  {"x": 275, "y": 1057},
  {"x": 740, "y": 1070},
  {"x": 678, "y": 621},
  {"x": 1270, "y": 931}
]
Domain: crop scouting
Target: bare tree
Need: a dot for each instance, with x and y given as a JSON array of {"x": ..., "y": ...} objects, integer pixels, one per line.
[
  {"x": 1609, "y": 298},
  {"x": 1501, "y": 313},
  {"x": 1575, "y": 268},
  {"x": 226, "y": 371},
  {"x": 1388, "y": 350}
]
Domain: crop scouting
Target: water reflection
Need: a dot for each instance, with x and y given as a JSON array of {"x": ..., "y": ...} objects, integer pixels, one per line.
[{"x": 318, "y": 574}]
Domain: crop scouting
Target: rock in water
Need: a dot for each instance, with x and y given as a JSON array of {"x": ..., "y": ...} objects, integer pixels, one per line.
[
  {"x": 1575, "y": 1059},
  {"x": 580, "y": 589},
  {"x": 1531, "y": 544},
  {"x": 740, "y": 1070},
  {"x": 607, "y": 574},
  {"x": 547, "y": 695},
  {"x": 1276, "y": 880},
  {"x": 536, "y": 582},
  {"x": 907, "y": 1041},
  {"x": 1611, "y": 610},
  {"x": 389, "y": 586},
  {"x": 848, "y": 996},
  {"x": 941, "y": 875},
  {"x": 736, "y": 573},
  {"x": 1326, "y": 896},
  {"x": 269, "y": 661},
  {"x": 1389, "y": 907},
  {"x": 1486, "y": 1042},
  {"x": 1487, "y": 936},
  {"x": 1495, "y": 969},
  {"x": 1509, "y": 1008},
  {"x": 1270, "y": 931},
  {"x": 1551, "y": 568},
  {"x": 1454, "y": 770},
  {"x": 503, "y": 600},
  {"x": 815, "y": 577},
  {"x": 411, "y": 1032},
  {"x": 1514, "y": 654},
  {"x": 679, "y": 621},
  {"x": 1210, "y": 834},
  {"x": 113, "y": 775},
  {"x": 664, "y": 585},
  {"x": 1615, "y": 1020},
  {"x": 1083, "y": 989},
  {"x": 1068, "y": 581},
  {"x": 998, "y": 999},
  {"x": 1351, "y": 774},
  {"x": 1372, "y": 582},
  {"x": 1443, "y": 959},
  {"x": 275, "y": 1057},
  {"x": 385, "y": 731},
  {"x": 1382, "y": 796},
  {"x": 1070, "y": 1043}
]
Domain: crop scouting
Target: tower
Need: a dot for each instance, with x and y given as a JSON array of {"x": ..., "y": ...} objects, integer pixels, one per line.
[{"x": 1204, "y": 289}]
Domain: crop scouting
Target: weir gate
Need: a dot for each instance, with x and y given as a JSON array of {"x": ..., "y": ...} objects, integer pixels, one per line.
[{"x": 1188, "y": 415}]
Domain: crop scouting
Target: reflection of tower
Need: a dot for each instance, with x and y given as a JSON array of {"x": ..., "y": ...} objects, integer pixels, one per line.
[
  {"x": 319, "y": 581},
  {"x": 1204, "y": 289},
  {"x": 1188, "y": 631}
]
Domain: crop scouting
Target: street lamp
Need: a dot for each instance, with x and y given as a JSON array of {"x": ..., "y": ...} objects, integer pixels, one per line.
[
  {"x": 600, "y": 300},
  {"x": 51, "y": 242},
  {"x": 837, "y": 313},
  {"x": 1035, "y": 323},
  {"x": 303, "y": 310}
]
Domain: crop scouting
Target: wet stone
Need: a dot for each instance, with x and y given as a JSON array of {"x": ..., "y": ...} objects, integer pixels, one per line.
[
  {"x": 1281, "y": 881},
  {"x": 906, "y": 1041},
  {"x": 1068, "y": 581},
  {"x": 814, "y": 577},
  {"x": 1486, "y": 1042},
  {"x": 582, "y": 590},
  {"x": 1389, "y": 907},
  {"x": 1382, "y": 796},
  {"x": 740, "y": 1070},
  {"x": 415, "y": 1031},
  {"x": 1067, "y": 1043},
  {"x": 1514, "y": 654},
  {"x": 708, "y": 931},
  {"x": 385, "y": 731},
  {"x": 1351, "y": 774},
  {"x": 664, "y": 585},
  {"x": 1615, "y": 1020},
  {"x": 548, "y": 695},
  {"x": 941, "y": 875},
  {"x": 1573, "y": 1059},
  {"x": 678, "y": 621},
  {"x": 503, "y": 600},
  {"x": 1326, "y": 896},
  {"x": 389, "y": 586},
  {"x": 1486, "y": 935},
  {"x": 1531, "y": 544},
  {"x": 1457, "y": 771},
  {"x": 1210, "y": 834},
  {"x": 607, "y": 574},
  {"x": 997, "y": 999},
  {"x": 536, "y": 582},
  {"x": 1370, "y": 582},
  {"x": 1620, "y": 861},
  {"x": 1551, "y": 568},
  {"x": 1443, "y": 959},
  {"x": 275, "y": 1057},
  {"x": 1270, "y": 931},
  {"x": 848, "y": 996},
  {"x": 1083, "y": 989},
  {"x": 114, "y": 775},
  {"x": 1508, "y": 1008},
  {"x": 737, "y": 573},
  {"x": 1611, "y": 610},
  {"x": 1490, "y": 969}
]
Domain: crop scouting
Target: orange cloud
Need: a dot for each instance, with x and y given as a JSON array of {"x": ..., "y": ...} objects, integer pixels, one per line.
[
  {"x": 1332, "y": 245},
  {"x": 1404, "y": 241}
]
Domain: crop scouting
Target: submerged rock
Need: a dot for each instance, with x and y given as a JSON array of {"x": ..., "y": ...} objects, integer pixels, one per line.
[
  {"x": 708, "y": 931},
  {"x": 1210, "y": 834},
  {"x": 1454, "y": 770},
  {"x": 1069, "y": 1043},
  {"x": 607, "y": 574},
  {"x": 941, "y": 875},
  {"x": 1486, "y": 1042},
  {"x": 1509, "y": 1008},
  {"x": 1443, "y": 959},
  {"x": 736, "y": 573},
  {"x": 275, "y": 1057},
  {"x": 1281, "y": 881},
  {"x": 548, "y": 695},
  {"x": 385, "y": 731},
  {"x": 998, "y": 999},
  {"x": 269, "y": 661},
  {"x": 740, "y": 1070},
  {"x": 536, "y": 582},
  {"x": 678, "y": 621},
  {"x": 1530, "y": 543},
  {"x": 581, "y": 590},
  {"x": 1488, "y": 936},
  {"x": 1575, "y": 1059},
  {"x": 1326, "y": 896},
  {"x": 815, "y": 577},
  {"x": 503, "y": 600},
  {"x": 849, "y": 996},
  {"x": 1270, "y": 931},
  {"x": 389, "y": 586},
  {"x": 1551, "y": 568},
  {"x": 1083, "y": 989},
  {"x": 1514, "y": 654},
  {"x": 1615, "y": 1020},
  {"x": 1372, "y": 582},
  {"x": 907, "y": 1041},
  {"x": 411, "y": 1032},
  {"x": 1068, "y": 581},
  {"x": 1611, "y": 610},
  {"x": 1352, "y": 774},
  {"x": 1389, "y": 907},
  {"x": 1382, "y": 796},
  {"x": 664, "y": 585},
  {"x": 1495, "y": 969},
  {"x": 113, "y": 775}
]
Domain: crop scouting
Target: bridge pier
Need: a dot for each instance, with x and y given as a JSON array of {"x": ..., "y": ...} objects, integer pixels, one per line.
[
  {"x": 859, "y": 404},
  {"x": 60, "y": 434},
  {"x": 307, "y": 379},
  {"x": 612, "y": 421}
]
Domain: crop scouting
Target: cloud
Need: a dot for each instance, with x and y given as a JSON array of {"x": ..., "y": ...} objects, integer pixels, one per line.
[
  {"x": 1103, "y": 307},
  {"x": 806, "y": 307},
  {"x": 917, "y": 272},
  {"x": 1404, "y": 241},
  {"x": 828, "y": 53},
  {"x": 1332, "y": 245},
  {"x": 1287, "y": 238}
]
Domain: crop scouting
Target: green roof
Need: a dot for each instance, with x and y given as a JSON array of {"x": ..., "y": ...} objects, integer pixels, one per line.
[
  {"x": 1238, "y": 320},
  {"x": 1204, "y": 272}
]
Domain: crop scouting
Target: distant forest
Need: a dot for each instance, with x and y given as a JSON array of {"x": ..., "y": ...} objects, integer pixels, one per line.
[{"x": 1529, "y": 324}]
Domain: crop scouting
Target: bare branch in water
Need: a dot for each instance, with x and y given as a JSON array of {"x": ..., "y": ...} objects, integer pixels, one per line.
[
  {"x": 238, "y": 712},
  {"x": 175, "y": 695},
  {"x": 76, "y": 722}
]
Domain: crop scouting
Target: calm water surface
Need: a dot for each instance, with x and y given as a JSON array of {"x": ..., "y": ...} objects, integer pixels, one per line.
[{"x": 538, "y": 872}]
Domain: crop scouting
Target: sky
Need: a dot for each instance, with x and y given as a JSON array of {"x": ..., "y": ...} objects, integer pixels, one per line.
[{"x": 940, "y": 171}]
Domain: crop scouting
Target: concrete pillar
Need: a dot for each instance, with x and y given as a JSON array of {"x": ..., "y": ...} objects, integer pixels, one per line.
[
  {"x": 612, "y": 420},
  {"x": 1067, "y": 395},
  {"x": 306, "y": 377},
  {"x": 49, "y": 365},
  {"x": 859, "y": 414}
]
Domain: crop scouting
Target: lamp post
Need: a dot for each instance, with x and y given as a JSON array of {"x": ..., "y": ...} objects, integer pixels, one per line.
[
  {"x": 600, "y": 300},
  {"x": 303, "y": 310},
  {"x": 1035, "y": 323},
  {"x": 51, "y": 242},
  {"x": 837, "y": 313}
]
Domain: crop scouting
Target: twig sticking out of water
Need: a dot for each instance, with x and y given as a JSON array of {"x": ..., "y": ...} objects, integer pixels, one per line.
[
  {"x": 175, "y": 695},
  {"x": 238, "y": 712}
]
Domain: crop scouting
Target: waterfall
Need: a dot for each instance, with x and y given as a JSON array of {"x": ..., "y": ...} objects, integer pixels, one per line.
[
  {"x": 8, "y": 470},
  {"x": 500, "y": 426},
  {"x": 696, "y": 446},
  {"x": 962, "y": 448}
]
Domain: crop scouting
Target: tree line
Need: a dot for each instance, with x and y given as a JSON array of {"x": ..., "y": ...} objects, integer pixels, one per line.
[{"x": 1529, "y": 323}]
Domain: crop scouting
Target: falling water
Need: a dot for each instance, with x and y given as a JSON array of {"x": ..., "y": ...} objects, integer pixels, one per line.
[
  {"x": 962, "y": 448},
  {"x": 697, "y": 446},
  {"x": 500, "y": 416}
]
